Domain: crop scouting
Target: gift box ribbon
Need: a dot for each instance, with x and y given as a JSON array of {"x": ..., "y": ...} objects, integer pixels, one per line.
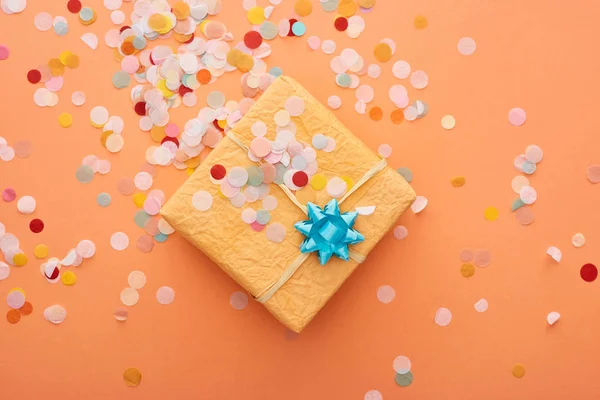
[{"x": 270, "y": 290}]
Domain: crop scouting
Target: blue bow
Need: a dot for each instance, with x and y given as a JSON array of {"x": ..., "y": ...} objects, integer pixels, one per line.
[{"x": 328, "y": 232}]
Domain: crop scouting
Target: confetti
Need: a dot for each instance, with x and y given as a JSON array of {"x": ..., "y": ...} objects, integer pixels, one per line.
[
  {"x": 373, "y": 395},
  {"x": 481, "y": 305},
  {"x": 448, "y": 122},
  {"x": 136, "y": 280},
  {"x": 443, "y": 317},
  {"x": 55, "y": 314},
  {"x": 402, "y": 365},
  {"x": 491, "y": 213},
  {"x": 419, "y": 204},
  {"x": 458, "y": 181},
  {"x": 518, "y": 370},
  {"x": 466, "y": 46},
  {"x": 552, "y": 318},
  {"x": 593, "y": 173},
  {"x": 467, "y": 270},
  {"x": 121, "y": 314},
  {"x": 68, "y": 278},
  {"x": 420, "y": 22},
  {"x": 119, "y": 241},
  {"x": 238, "y": 300},
  {"x": 26, "y": 205},
  {"x": 129, "y": 297},
  {"x": 132, "y": 377},
  {"x": 578, "y": 240},
  {"x": 517, "y": 116},
  {"x": 524, "y": 216},
  {"x": 404, "y": 380},
  {"x": 555, "y": 253},
  {"x": 165, "y": 295},
  {"x": 482, "y": 258},
  {"x": 588, "y": 272},
  {"x": 386, "y": 294}
]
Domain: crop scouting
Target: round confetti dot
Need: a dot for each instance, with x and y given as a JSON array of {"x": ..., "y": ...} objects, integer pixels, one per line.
[
  {"x": 518, "y": 182},
  {"x": 68, "y": 278},
  {"x": 36, "y": 225},
  {"x": 27, "y": 308},
  {"x": 34, "y": 76},
  {"x": 376, "y": 113},
  {"x": 4, "y": 52},
  {"x": 466, "y": 46},
  {"x": 466, "y": 255},
  {"x": 534, "y": 154},
  {"x": 386, "y": 294},
  {"x": 202, "y": 200},
  {"x": 589, "y": 272},
  {"x": 401, "y": 69},
  {"x": 443, "y": 317},
  {"x": 26, "y": 205},
  {"x": 419, "y": 204},
  {"x": 400, "y": 232},
  {"x": 55, "y": 314},
  {"x": 418, "y": 80},
  {"x": 238, "y": 300},
  {"x": 13, "y": 316},
  {"x": 9, "y": 195},
  {"x": 383, "y": 52},
  {"x": 318, "y": 181},
  {"x": 132, "y": 377},
  {"x": 119, "y": 241},
  {"x": 4, "y": 271},
  {"x": 420, "y": 22},
  {"x": 552, "y": 317},
  {"x": 300, "y": 178},
  {"x": 74, "y": 6},
  {"x": 15, "y": 299},
  {"x": 86, "y": 248},
  {"x": 43, "y": 21},
  {"x": 524, "y": 216},
  {"x": 129, "y": 297},
  {"x": 145, "y": 244},
  {"x": 518, "y": 370},
  {"x": 78, "y": 99},
  {"x": 341, "y": 24},
  {"x": 103, "y": 199},
  {"x": 528, "y": 195},
  {"x": 84, "y": 174},
  {"x": 40, "y": 251},
  {"x": 165, "y": 295},
  {"x": 253, "y": 39},
  {"x": 20, "y": 260},
  {"x": 404, "y": 380},
  {"x": 482, "y": 258},
  {"x": 299, "y": 28},
  {"x": 555, "y": 253},
  {"x": 491, "y": 213},
  {"x": 373, "y": 395},
  {"x": 517, "y": 116},
  {"x": 448, "y": 122},
  {"x": 334, "y": 102},
  {"x": 406, "y": 174},
  {"x": 402, "y": 364},
  {"x": 458, "y": 181},
  {"x": 578, "y": 240},
  {"x": 65, "y": 120},
  {"x": 336, "y": 187},
  {"x": 121, "y": 314},
  {"x": 467, "y": 270},
  {"x": 593, "y": 173},
  {"x": 136, "y": 280},
  {"x": 99, "y": 116}
]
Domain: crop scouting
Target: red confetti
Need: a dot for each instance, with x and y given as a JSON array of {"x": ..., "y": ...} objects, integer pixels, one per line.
[
  {"x": 183, "y": 90},
  {"x": 300, "y": 179},
  {"x": 216, "y": 124},
  {"x": 34, "y": 76},
  {"x": 36, "y": 225},
  {"x": 74, "y": 6},
  {"x": 170, "y": 139},
  {"x": 253, "y": 40},
  {"x": 218, "y": 172},
  {"x": 123, "y": 28},
  {"x": 589, "y": 272},
  {"x": 140, "y": 108},
  {"x": 190, "y": 40},
  {"x": 292, "y": 22},
  {"x": 341, "y": 24},
  {"x": 54, "y": 275}
]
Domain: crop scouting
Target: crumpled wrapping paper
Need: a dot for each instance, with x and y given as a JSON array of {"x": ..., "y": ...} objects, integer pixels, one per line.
[{"x": 247, "y": 256}]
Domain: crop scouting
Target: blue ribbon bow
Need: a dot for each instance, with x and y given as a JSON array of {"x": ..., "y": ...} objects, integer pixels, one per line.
[{"x": 328, "y": 232}]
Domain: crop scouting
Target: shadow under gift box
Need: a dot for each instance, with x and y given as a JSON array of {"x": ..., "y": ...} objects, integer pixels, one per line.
[{"x": 248, "y": 256}]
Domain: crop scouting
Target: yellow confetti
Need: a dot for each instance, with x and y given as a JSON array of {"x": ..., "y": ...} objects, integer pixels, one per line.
[
  {"x": 491, "y": 213},
  {"x": 318, "y": 181},
  {"x": 303, "y": 8},
  {"x": 40, "y": 251},
  {"x": 65, "y": 120},
  {"x": 139, "y": 199},
  {"x": 132, "y": 377},
  {"x": 349, "y": 182},
  {"x": 347, "y": 8},
  {"x": 68, "y": 278},
  {"x": 256, "y": 15},
  {"x": 19, "y": 260}
]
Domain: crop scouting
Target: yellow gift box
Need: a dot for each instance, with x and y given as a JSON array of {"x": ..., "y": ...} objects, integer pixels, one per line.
[{"x": 291, "y": 285}]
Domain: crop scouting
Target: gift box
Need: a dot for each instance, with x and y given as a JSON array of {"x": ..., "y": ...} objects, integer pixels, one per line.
[{"x": 289, "y": 203}]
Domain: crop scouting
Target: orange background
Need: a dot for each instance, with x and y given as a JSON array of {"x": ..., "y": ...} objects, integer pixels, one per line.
[{"x": 538, "y": 55}]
